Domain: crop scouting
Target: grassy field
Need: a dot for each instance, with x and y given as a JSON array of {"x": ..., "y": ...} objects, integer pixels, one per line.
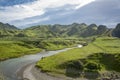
[
  {"x": 11, "y": 49},
  {"x": 101, "y": 55},
  {"x": 58, "y": 43}
]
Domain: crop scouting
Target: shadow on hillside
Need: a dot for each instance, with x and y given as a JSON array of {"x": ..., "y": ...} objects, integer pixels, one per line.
[
  {"x": 91, "y": 74},
  {"x": 110, "y": 61},
  {"x": 78, "y": 68},
  {"x": 74, "y": 73}
]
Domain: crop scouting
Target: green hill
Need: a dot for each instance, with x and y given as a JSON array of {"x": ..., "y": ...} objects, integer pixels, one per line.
[
  {"x": 57, "y": 30},
  {"x": 12, "y": 49},
  {"x": 7, "y": 30},
  {"x": 72, "y": 30},
  {"x": 7, "y": 26},
  {"x": 116, "y": 31}
]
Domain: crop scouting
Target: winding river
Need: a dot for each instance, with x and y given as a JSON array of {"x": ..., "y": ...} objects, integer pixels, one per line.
[{"x": 10, "y": 67}]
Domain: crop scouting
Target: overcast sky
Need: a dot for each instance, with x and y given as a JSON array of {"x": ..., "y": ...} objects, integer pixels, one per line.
[{"x": 25, "y": 13}]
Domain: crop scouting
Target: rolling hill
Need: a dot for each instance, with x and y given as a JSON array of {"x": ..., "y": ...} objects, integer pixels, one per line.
[
  {"x": 57, "y": 30},
  {"x": 7, "y": 30},
  {"x": 72, "y": 30},
  {"x": 116, "y": 31}
]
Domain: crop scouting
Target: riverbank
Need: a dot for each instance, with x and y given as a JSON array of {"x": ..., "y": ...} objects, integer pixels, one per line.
[
  {"x": 13, "y": 68},
  {"x": 31, "y": 72},
  {"x": 17, "y": 48}
]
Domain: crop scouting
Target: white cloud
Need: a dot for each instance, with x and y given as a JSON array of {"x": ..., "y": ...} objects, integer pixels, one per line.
[
  {"x": 30, "y": 21},
  {"x": 83, "y": 3},
  {"x": 37, "y": 8}
]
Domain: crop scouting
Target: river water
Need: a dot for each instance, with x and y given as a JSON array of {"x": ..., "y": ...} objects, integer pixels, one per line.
[{"x": 10, "y": 67}]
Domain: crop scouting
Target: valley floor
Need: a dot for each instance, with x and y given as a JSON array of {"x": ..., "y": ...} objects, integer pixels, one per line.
[{"x": 15, "y": 47}]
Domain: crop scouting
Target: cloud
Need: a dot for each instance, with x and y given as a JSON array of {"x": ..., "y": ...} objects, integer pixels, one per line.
[
  {"x": 14, "y": 2},
  {"x": 36, "y": 8},
  {"x": 26, "y": 22},
  {"x": 18, "y": 12},
  {"x": 83, "y": 2},
  {"x": 99, "y": 12}
]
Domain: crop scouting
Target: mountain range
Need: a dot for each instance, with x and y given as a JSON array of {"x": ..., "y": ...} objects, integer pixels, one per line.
[{"x": 57, "y": 30}]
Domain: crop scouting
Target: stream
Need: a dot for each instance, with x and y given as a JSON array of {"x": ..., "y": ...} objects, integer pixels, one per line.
[{"x": 10, "y": 67}]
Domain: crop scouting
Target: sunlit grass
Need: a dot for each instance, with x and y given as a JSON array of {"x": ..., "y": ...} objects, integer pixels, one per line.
[
  {"x": 100, "y": 45},
  {"x": 11, "y": 49}
]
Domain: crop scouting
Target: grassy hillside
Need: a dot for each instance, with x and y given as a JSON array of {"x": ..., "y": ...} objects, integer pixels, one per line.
[
  {"x": 57, "y": 30},
  {"x": 116, "y": 31},
  {"x": 99, "y": 56},
  {"x": 72, "y": 30},
  {"x": 7, "y": 30},
  {"x": 59, "y": 43},
  {"x": 7, "y": 26},
  {"x": 11, "y": 49}
]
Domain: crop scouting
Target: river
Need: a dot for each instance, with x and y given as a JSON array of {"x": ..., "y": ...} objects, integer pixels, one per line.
[{"x": 10, "y": 67}]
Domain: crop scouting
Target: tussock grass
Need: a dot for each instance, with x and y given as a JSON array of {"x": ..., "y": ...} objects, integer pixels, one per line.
[{"x": 105, "y": 45}]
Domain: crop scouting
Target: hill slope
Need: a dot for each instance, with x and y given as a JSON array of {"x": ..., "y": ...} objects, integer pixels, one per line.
[
  {"x": 116, "y": 31},
  {"x": 7, "y": 29},
  {"x": 72, "y": 30},
  {"x": 57, "y": 30}
]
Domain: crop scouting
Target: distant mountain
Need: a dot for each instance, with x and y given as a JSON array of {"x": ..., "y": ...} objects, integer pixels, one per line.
[
  {"x": 7, "y": 26},
  {"x": 72, "y": 30},
  {"x": 116, "y": 31},
  {"x": 76, "y": 29},
  {"x": 7, "y": 29},
  {"x": 57, "y": 30},
  {"x": 90, "y": 30}
]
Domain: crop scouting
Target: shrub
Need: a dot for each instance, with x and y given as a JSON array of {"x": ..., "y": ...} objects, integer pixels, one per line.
[
  {"x": 92, "y": 66},
  {"x": 76, "y": 65}
]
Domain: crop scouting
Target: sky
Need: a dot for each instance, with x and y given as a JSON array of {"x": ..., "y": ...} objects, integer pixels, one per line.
[{"x": 26, "y": 13}]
